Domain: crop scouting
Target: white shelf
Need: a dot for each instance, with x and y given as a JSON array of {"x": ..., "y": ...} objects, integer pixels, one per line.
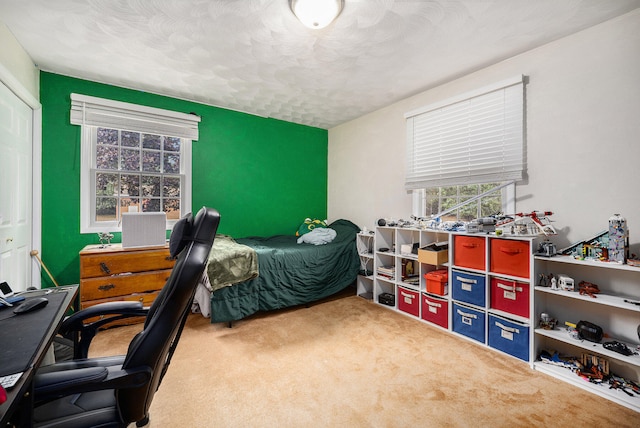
[
  {"x": 609, "y": 307},
  {"x": 509, "y": 315},
  {"x": 414, "y": 287},
  {"x": 592, "y": 263},
  {"x": 563, "y": 336},
  {"x": 602, "y": 299},
  {"x": 365, "y": 247},
  {"x": 511, "y": 277},
  {"x": 468, "y": 269},
  {"x": 600, "y": 389}
]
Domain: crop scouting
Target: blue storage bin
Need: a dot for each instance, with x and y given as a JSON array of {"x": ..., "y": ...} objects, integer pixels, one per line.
[
  {"x": 509, "y": 336},
  {"x": 468, "y": 287},
  {"x": 469, "y": 322}
]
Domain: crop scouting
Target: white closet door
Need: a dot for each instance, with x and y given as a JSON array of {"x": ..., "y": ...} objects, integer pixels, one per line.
[{"x": 16, "y": 142}]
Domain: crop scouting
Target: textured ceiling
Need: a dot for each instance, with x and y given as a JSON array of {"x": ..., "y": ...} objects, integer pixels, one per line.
[{"x": 255, "y": 56}]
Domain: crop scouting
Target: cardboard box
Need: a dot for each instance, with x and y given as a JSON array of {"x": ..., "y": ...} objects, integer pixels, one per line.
[{"x": 434, "y": 254}]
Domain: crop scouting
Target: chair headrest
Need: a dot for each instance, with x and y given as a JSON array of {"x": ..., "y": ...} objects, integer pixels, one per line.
[{"x": 180, "y": 234}]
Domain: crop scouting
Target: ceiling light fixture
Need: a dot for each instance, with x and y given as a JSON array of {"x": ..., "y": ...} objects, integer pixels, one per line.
[{"x": 316, "y": 14}]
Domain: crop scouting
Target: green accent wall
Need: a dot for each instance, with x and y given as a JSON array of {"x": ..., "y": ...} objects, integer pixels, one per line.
[{"x": 265, "y": 176}]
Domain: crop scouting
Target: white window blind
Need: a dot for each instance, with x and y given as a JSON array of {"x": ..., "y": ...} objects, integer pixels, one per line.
[
  {"x": 93, "y": 111},
  {"x": 476, "y": 138}
]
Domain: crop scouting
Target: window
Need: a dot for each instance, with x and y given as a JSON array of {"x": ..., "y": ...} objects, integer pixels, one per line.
[
  {"x": 464, "y": 203},
  {"x": 134, "y": 159},
  {"x": 463, "y": 147}
]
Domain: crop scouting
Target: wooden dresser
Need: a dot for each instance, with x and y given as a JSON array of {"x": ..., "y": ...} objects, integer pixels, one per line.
[{"x": 113, "y": 273}]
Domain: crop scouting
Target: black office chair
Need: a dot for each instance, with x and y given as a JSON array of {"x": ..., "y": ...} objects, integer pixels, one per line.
[{"x": 116, "y": 391}]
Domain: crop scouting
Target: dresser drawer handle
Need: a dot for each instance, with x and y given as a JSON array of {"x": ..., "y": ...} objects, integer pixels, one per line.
[
  {"x": 106, "y": 287},
  {"x": 170, "y": 259},
  {"x": 104, "y": 268}
]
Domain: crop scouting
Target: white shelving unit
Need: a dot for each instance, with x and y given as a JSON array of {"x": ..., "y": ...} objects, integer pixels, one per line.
[
  {"x": 618, "y": 318},
  {"x": 399, "y": 272},
  {"x": 413, "y": 298},
  {"x": 496, "y": 316},
  {"x": 491, "y": 279},
  {"x": 365, "y": 246}
]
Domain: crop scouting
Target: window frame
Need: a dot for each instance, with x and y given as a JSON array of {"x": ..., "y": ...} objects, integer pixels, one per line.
[
  {"x": 92, "y": 113},
  {"x": 458, "y": 121},
  {"x": 508, "y": 201},
  {"x": 88, "y": 222}
]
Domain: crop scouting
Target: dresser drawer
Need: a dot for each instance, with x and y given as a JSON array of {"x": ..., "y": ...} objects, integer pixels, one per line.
[
  {"x": 122, "y": 285},
  {"x": 146, "y": 299},
  {"x": 95, "y": 264}
]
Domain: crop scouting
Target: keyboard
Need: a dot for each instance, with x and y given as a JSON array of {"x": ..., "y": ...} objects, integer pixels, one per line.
[{"x": 9, "y": 381}]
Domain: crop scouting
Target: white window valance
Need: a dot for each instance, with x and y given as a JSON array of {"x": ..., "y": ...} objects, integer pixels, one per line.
[
  {"x": 474, "y": 138},
  {"x": 93, "y": 111}
]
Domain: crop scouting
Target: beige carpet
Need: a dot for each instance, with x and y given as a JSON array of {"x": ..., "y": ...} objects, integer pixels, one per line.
[{"x": 346, "y": 362}]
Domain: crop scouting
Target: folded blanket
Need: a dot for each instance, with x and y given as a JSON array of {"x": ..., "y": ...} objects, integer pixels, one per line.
[
  {"x": 229, "y": 263},
  {"x": 318, "y": 236}
]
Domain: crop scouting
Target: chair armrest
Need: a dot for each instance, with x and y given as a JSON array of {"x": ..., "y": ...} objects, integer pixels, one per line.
[
  {"x": 46, "y": 383},
  {"x": 54, "y": 384},
  {"x": 76, "y": 321},
  {"x": 77, "y": 328}
]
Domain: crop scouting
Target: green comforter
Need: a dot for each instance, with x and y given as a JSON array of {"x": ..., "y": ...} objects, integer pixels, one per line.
[{"x": 290, "y": 273}]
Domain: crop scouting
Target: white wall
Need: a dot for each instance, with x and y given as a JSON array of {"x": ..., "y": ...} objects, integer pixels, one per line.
[
  {"x": 17, "y": 64},
  {"x": 583, "y": 137}
]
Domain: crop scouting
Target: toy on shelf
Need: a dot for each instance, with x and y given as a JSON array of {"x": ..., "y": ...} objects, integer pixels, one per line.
[
  {"x": 547, "y": 322},
  {"x": 618, "y": 248},
  {"x": 588, "y": 288},
  {"x": 566, "y": 283},
  {"x": 526, "y": 224},
  {"x": 594, "y": 248},
  {"x": 611, "y": 245},
  {"x": 594, "y": 368}
]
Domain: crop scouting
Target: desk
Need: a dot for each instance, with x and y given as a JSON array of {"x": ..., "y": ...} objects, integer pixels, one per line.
[{"x": 24, "y": 341}]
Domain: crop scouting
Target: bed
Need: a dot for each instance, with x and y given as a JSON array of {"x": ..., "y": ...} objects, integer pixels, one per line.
[{"x": 254, "y": 274}]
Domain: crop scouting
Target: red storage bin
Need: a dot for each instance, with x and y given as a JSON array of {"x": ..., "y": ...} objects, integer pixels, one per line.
[
  {"x": 510, "y": 296},
  {"x": 435, "y": 310},
  {"x": 409, "y": 301},
  {"x": 468, "y": 251},
  {"x": 510, "y": 257},
  {"x": 437, "y": 281}
]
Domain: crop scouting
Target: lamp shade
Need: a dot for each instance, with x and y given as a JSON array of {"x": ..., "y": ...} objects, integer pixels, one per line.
[{"x": 316, "y": 14}]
